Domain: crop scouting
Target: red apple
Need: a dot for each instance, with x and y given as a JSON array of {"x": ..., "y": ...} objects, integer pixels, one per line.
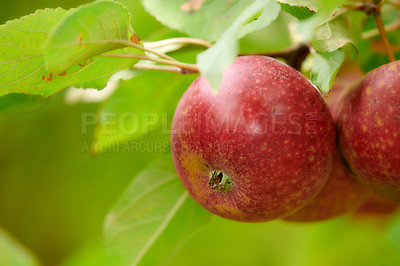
[
  {"x": 376, "y": 205},
  {"x": 369, "y": 129},
  {"x": 342, "y": 193},
  {"x": 259, "y": 149}
]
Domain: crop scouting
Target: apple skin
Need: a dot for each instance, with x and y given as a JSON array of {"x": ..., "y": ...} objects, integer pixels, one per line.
[
  {"x": 368, "y": 127},
  {"x": 268, "y": 129},
  {"x": 376, "y": 205},
  {"x": 342, "y": 193}
]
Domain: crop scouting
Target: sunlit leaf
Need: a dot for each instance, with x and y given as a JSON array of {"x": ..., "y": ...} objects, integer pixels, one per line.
[
  {"x": 325, "y": 68},
  {"x": 267, "y": 16},
  {"x": 204, "y": 19},
  {"x": 22, "y": 66},
  {"x": 301, "y": 9},
  {"x": 84, "y": 32},
  {"x": 213, "y": 61},
  {"x": 331, "y": 36},
  {"x": 13, "y": 253},
  {"x": 153, "y": 218}
]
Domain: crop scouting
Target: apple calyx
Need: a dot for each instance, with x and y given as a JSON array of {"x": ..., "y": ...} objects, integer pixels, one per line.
[{"x": 219, "y": 181}]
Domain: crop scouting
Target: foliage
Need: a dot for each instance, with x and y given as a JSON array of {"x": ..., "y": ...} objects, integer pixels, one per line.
[{"x": 130, "y": 180}]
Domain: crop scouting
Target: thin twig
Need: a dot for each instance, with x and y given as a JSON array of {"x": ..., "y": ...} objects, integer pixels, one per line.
[
  {"x": 183, "y": 40},
  {"x": 375, "y": 32},
  {"x": 133, "y": 45},
  {"x": 366, "y": 7},
  {"x": 162, "y": 68},
  {"x": 375, "y": 8},
  {"x": 188, "y": 67},
  {"x": 383, "y": 34}
]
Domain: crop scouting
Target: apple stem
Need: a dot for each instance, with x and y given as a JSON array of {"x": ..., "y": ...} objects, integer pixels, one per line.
[{"x": 219, "y": 181}]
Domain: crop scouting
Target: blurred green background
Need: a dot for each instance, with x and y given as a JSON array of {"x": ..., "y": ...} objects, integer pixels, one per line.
[{"x": 54, "y": 196}]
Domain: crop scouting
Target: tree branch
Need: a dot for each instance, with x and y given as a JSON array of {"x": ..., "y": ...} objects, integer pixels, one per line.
[
  {"x": 133, "y": 45},
  {"x": 182, "y": 40},
  {"x": 294, "y": 56},
  {"x": 375, "y": 32},
  {"x": 172, "y": 69},
  {"x": 189, "y": 68}
]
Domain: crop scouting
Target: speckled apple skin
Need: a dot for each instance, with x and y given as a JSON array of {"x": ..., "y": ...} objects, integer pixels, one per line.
[
  {"x": 342, "y": 193},
  {"x": 369, "y": 129},
  {"x": 267, "y": 128}
]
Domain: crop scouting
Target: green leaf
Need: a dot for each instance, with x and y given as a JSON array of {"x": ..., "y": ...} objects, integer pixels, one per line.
[
  {"x": 139, "y": 106},
  {"x": 13, "y": 253},
  {"x": 21, "y": 103},
  {"x": 267, "y": 16},
  {"x": 300, "y": 9},
  {"x": 154, "y": 217},
  {"x": 204, "y": 19},
  {"x": 329, "y": 6},
  {"x": 86, "y": 32},
  {"x": 304, "y": 9},
  {"x": 325, "y": 68},
  {"x": 214, "y": 60},
  {"x": 317, "y": 28},
  {"x": 331, "y": 36},
  {"x": 22, "y": 66}
]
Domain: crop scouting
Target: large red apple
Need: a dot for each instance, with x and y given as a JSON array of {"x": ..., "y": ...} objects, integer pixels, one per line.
[
  {"x": 259, "y": 149},
  {"x": 369, "y": 129},
  {"x": 342, "y": 193}
]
